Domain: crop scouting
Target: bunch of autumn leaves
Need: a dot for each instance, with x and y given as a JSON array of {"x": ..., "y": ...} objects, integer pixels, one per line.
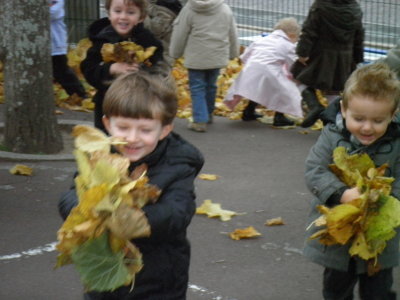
[
  {"x": 96, "y": 236},
  {"x": 366, "y": 223}
]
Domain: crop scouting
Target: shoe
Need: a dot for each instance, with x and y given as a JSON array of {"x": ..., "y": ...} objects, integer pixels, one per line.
[
  {"x": 252, "y": 117},
  {"x": 198, "y": 127},
  {"x": 281, "y": 121},
  {"x": 310, "y": 98}
]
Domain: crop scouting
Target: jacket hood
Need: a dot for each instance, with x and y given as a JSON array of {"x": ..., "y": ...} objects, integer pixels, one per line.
[
  {"x": 204, "y": 6},
  {"x": 342, "y": 17},
  {"x": 101, "y": 29}
]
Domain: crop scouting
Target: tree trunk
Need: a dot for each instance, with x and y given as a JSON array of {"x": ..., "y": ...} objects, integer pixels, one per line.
[{"x": 30, "y": 122}]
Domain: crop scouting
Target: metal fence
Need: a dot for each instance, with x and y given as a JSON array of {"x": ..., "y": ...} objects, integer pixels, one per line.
[
  {"x": 257, "y": 16},
  {"x": 382, "y": 28},
  {"x": 79, "y": 15}
]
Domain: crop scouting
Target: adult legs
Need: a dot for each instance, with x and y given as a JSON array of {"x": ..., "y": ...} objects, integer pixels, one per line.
[{"x": 64, "y": 75}]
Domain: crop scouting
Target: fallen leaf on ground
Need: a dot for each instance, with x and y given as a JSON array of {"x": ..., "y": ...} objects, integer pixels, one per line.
[
  {"x": 214, "y": 210},
  {"x": 208, "y": 176},
  {"x": 274, "y": 221},
  {"x": 21, "y": 170},
  {"x": 244, "y": 233}
]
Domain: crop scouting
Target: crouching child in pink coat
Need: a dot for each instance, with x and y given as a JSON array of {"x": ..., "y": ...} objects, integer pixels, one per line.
[{"x": 265, "y": 78}]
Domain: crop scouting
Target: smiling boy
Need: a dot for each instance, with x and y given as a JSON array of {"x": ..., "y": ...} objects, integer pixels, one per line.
[
  {"x": 362, "y": 124},
  {"x": 124, "y": 23},
  {"x": 140, "y": 108}
]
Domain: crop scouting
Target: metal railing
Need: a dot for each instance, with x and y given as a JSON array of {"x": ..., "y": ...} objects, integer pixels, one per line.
[
  {"x": 382, "y": 28},
  {"x": 380, "y": 18},
  {"x": 79, "y": 15}
]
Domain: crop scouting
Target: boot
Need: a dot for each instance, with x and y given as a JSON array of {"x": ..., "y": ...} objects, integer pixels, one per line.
[
  {"x": 315, "y": 108},
  {"x": 249, "y": 113},
  {"x": 281, "y": 121}
]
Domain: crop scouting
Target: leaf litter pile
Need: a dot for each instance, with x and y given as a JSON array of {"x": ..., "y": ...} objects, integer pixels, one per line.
[
  {"x": 366, "y": 223},
  {"x": 131, "y": 52},
  {"x": 96, "y": 236}
]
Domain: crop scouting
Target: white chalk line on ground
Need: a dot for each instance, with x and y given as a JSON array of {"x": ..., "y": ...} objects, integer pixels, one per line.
[
  {"x": 31, "y": 252},
  {"x": 50, "y": 247}
]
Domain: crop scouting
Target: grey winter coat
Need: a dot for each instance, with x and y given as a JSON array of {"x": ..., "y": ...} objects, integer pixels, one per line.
[
  {"x": 332, "y": 37},
  {"x": 323, "y": 184},
  {"x": 205, "y": 34}
]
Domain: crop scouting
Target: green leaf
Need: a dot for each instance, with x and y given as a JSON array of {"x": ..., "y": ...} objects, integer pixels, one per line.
[
  {"x": 100, "y": 269},
  {"x": 381, "y": 226}
]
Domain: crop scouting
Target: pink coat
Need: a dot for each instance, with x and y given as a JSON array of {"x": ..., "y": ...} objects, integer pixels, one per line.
[{"x": 265, "y": 78}]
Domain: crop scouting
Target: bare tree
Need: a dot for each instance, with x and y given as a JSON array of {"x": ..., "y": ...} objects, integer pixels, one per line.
[{"x": 30, "y": 122}]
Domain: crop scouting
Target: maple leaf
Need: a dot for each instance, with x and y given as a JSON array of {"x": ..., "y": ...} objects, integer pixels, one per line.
[
  {"x": 214, "y": 210},
  {"x": 99, "y": 267},
  {"x": 275, "y": 221},
  {"x": 21, "y": 170},
  {"x": 208, "y": 176},
  {"x": 244, "y": 233}
]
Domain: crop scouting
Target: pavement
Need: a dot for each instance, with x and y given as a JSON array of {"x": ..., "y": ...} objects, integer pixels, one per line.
[{"x": 260, "y": 174}]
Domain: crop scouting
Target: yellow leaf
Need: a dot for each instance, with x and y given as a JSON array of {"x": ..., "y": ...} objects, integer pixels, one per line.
[
  {"x": 214, "y": 210},
  {"x": 208, "y": 176},
  {"x": 275, "y": 221},
  {"x": 21, "y": 170},
  {"x": 245, "y": 233}
]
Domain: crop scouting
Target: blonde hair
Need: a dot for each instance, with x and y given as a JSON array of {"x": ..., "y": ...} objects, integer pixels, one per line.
[
  {"x": 142, "y": 95},
  {"x": 288, "y": 25},
  {"x": 141, "y": 4},
  {"x": 375, "y": 81}
]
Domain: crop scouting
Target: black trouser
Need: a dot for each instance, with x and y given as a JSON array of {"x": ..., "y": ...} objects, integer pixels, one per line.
[
  {"x": 339, "y": 285},
  {"x": 64, "y": 75}
]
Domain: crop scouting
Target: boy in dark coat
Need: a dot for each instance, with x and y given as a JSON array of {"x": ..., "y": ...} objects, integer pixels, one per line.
[
  {"x": 124, "y": 23},
  {"x": 362, "y": 122},
  {"x": 329, "y": 48},
  {"x": 140, "y": 109}
]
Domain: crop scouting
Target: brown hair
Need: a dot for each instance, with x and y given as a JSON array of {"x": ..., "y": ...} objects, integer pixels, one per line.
[
  {"x": 375, "y": 81},
  {"x": 141, "y": 4},
  {"x": 142, "y": 95}
]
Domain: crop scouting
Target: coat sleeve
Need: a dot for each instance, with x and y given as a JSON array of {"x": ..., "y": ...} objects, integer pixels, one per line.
[
  {"x": 172, "y": 213},
  {"x": 358, "y": 47},
  {"x": 309, "y": 34},
  {"x": 180, "y": 34},
  {"x": 319, "y": 179},
  {"x": 95, "y": 71},
  {"x": 233, "y": 40}
]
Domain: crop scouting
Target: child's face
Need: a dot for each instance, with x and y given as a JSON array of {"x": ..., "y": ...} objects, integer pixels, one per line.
[
  {"x": 141, "y": 135},
  {"x": 367, "y": 119},
  {"x": 124, "y": 17}
]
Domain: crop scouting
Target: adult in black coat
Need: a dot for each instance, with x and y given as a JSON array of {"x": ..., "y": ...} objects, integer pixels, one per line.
[
  {"x": 172, "y": 167},
  {"x": 97, "y": 72},
  {"x": 329, "y": 49}
]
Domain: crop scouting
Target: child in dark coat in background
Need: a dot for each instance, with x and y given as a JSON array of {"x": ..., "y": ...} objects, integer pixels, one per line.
[
  {"x": 139, "y": 109},
  {"x": 329, "y": 48},
  {"x": 124, "y": 23},
  {"x": 362, "y": 122}
]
